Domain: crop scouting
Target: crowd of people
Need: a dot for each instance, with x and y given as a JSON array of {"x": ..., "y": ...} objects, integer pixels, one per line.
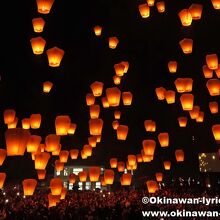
[{"x": 93, "y": 205}]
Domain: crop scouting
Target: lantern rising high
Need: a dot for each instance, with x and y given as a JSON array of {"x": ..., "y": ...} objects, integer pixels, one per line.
[
  {"x": 62, "y": 124},
  {"x": 196, "y": 11},
  {"x": 212, "y": 61},
  {"x": 172, "y": 66},
  {"x": 29, "y": 186},
  {"x": 95, "y": 126},
  {"x": 47, "y": 86},
  {"x": 122, "y": 132},
  {"x": 185, "y": 17},
  {"x": 98, "y": 30},
  {"x": 38, "y": 24},
  {"x": 113, "y": 42},
  {"x": 186, "y": 45},
  {"x": 144, "y": 10},
  {"x": 55, "y": 56},
  {"x": 187, "y": 101},
  {"x": 113, "y": 96},
  {"x": 44, "y": 6},
  {"x": 97, "y": 88},
  {"x": 38, "y": 44}
]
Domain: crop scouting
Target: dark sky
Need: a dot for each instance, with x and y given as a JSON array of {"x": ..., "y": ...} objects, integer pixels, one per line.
[{"x": 148, "y": 44}]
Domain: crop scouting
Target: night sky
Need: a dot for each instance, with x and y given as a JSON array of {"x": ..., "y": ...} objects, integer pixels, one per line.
[{"x": 148, "y": 45}]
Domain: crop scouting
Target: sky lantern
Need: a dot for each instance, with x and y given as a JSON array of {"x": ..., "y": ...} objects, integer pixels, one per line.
[
  {"x": 82, "y": 176},
  {"x": 98, "y": 138},
  {"x": 94, "y": 173},
  {"x": 159, "y": 177},
  {"x": 127, "y": 98},
  {"x": 216, "y": 131},
  {"x": 38, "y": 44},
  {"x": 41, "y": 174},
  {"x": 97, "y": 88},
  {"x": 9, "y": 116},
  {"x": 126, "y": 179},
  {"x": 83, "y": 155},
  {"x": 188, "y": 82},
  {"x": 149, "y": 147},
  {"x": 95, "y": 126},
  {"x": 64, "y": 154},
  {"x": 144, "y": 10},
  {"x": 52, "y": 142},
  {"x": 150, "y": 2},
  {"x": 109, "y": 176},
  {"x": 113, "y": 96},
  {"x": 97, "y": 30},
  {"x": 131, "y": 160},
  {"x": 35, "y": 121},
  {"x": 160, "y": 92},
  {"x": 92, "y": 141},
  {"x": 55, "y": 56},
  {"x": 146, "y": 158},
  {"x": 122, "y": 132},
  {"x": 167, "y": 165},
  {"x": 62, "y": 124},
  {"x": 185, "y": 17},
  {"x": 172, "y": 66},
  {"x": 59, "y": 166},
  {"x": 44, "y": 6},
  {"x": 105, "y": 103},
  {"x": 53, "y": 200},
  {"x": 213, "y": 106},
  {"x": 115, "y": 124},
  {"x": 186, "y": 45},
  {"x": 57, "y": 151},
  {"x": 139, "y": 158},
  {"x": 2, "y": 179},
  {"x": 87, "y": 150},
  {"x": 56, "y": 185},
  {"x": 47, "y": 86},
  {"x": 187, "y": 101},
  {"x": 117, "y": 80},
  {"x": 163, "y": 139},
  {"x": 94, "y": 111},
  {"x": 113, "y": 162},
  {"x": 63, "y": 193},
  {"x": 102, "y": 180},
  {"x": 72, "y": 178},
  {"x": 150, "y": 126},
  {"x": 16, "y": 141},
  {"x": 182, "y": 121},
  {"x": 207, "y": 72},
  {"x": 217, "y": 71},
  {"x": 72, "y": 128},
  {"x": 90, "y": 99},
  {"x": 170, "y": 96},
  {"x": 41, "y": 160},
  {"x": 74, "y": 154},
  {"x": 29, "y": 186},
  {"x": 194, "y": 113},
  {"x": 113, "y": 42},
  {"x": 212, "y": 61},
  {"x": 26, "y": 123},
  {"x": 200, "y": 118},
  {"x": 33, "y": 143},
  {"x": 196, "y": 11},
  {"x": 121, "y": 166},
  {"x": 126, "y": 66},
  {"x": 160, "y": 6},
  {"x": 3, "y": 154},
  {"x": 117, "y": 114},
  {"x": 152, "y": 186},
  {"x": 179, "y": 154},
  {"x": 213, "y": 86},
  {"x": 119, "y": 69},
  {"x": 216, "y": 4},
  {"x": 38, "y": 24},
  {"x": 13, "y": 124},
  {"x": 180, "y": 85}
]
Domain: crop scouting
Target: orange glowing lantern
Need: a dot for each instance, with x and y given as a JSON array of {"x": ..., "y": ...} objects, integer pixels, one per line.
[
  {"x": 72, "y": 178},
  {"x": 170, "y": 96},
  {"x": 56, "y": 185},
  {"x": 121, "y": 166},
  {"x": 126, "y": 66},
  {"x": 64, "y": 154},
  {"x": 200, "y": 118},
  {"x": 53, "y": 200},
  {"x": 98, "y": 138},
  {"x": 55, "y": 56},
  {"x": 117, "y": 80},
  {"x": 150, "y": 126},
  {"x": 127, "y": 98},
  {"x": 3, "y": 154},
  {"x": 105, "y": 103},
  {"x": 97, "y": 88},
  {"x": 83, "y": 155},
  {"x": 72, "y": 128},
  {"x": 213, "y": 86},
  {"x": 113, "y": 162},
  {"x": 152, "y": 186},
  {"x": 74, "y": 154},
  {"x": 167, "y": 165},
  {"x": 117, "y": 114},
  {"x": 95, "y": 126},
  {"x": 87, "y": 150},
  {"x": 126, "y": 179},
  {"x": 196, "y": 11},
  {"x": 2, "y": 179},
  {"x": 57, "y": 151},
  {"x": 144, "y": 10},
  {"x": 94, "y": 173},
  {"x": 122, "y": 132},
  {"x": 92, "y": 141},
  {"x": 29, "y": 186},
  {"x": 82, "y": 176},
  {"x": 139, "y": 158},
  {"x": 59, "y": 166},
  {"x": 62, "y": 124},
  {"x": 132, "y": 160},
  {"x": 194, "y": 113},
  {"x": 109, "y": 176},
  {"x": 35, "y": 121},
  {"x": 44, "y": 6},
  {"x": 149, "y": 147},
  {"x": 113, "y": 42},
  {"x": 163, "y": 139},
  {"x": 216, "y": 4},
  {"x": 41, "y": 160},
  {"x": 38, "y": 44},
  {"x": 113, "y": 96},
  {"x": 63, "y": 193},
  {"x": 38, "y": 24},
  {"x": 26, "y": 123},
  {"x": 207, "y": 72},
  {"x": 213, "y": 106},
  {"x": 160, "y": 6},
  {"x": 172, "y": 66},
  {"x": 13, "y": 124},
  {"x": 182, "y": 121},
  {"x": 216, "y": 131},
  {"x": 212, "y": 61},
  {"x": 94, "y": 111},
  {"x": 41, "y": 174},
  {"x": 47, "y": 86},
  {"x": 115, "y": 124},
  {"x": 185, "y": 17},
  {"x": 52, "y": 142},
  {"x": 187, "y": 101},
  {"x": 90, "y": 99},
  {"x": 159, "y": 177},
  {"x": 9, "y": 116},
  {"x": 16, "y": 141},
  {"x": 179, "y": 155},
  {"x": 33, "y": 143},
  {"x": 150, "y": 2},
  {"x": 97, "y": 30},
  {"x": 119, "y": 69},
  {"x": 186, "y": 45}
]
